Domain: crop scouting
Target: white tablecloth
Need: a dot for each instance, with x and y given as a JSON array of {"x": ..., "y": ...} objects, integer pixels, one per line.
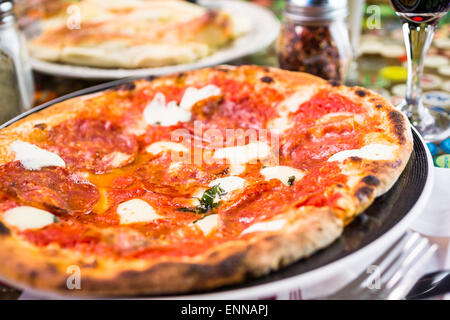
[{"x": 434, "y": 222}]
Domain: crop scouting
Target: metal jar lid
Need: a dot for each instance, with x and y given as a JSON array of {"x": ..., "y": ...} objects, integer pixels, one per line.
[
  {"x": 6, "y": 11},
  {"x": 316, "y": 10}
]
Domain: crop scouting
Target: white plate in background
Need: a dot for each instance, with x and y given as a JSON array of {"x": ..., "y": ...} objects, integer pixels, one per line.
[{"x": 264, "y": 29}]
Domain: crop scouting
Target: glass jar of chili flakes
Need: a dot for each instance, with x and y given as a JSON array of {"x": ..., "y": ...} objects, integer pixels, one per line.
[{"x": 314, "y": 38}]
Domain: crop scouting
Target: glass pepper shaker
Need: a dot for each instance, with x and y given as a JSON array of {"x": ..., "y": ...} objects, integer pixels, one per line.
[
  {"x": 16, "y": 80},
  {"x": 314, "y": 38}
]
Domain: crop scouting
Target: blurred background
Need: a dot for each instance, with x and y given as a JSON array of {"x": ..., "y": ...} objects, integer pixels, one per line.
[{"x": 380, "y": 52}]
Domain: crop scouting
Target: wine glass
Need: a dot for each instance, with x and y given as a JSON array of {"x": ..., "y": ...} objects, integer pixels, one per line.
[{"x": 419, "y": 19}]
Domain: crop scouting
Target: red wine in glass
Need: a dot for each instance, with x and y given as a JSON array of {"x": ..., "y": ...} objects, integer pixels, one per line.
[
  {"x": 420, "y": 18},
  {"x": 421, "y": 11}
]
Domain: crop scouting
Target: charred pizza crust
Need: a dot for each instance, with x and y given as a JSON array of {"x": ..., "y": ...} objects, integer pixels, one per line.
[
  {"x": 49, "y": 269},
  {"x": 308, "y": 229}
]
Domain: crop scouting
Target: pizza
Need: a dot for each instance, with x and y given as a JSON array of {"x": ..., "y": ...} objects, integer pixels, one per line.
[
  {"x": 191, "y": 181},
  {"x": 132, "y": 34}
]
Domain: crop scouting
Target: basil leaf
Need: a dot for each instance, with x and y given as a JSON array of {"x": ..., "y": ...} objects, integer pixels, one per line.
[{"x": 207, "y": 201}]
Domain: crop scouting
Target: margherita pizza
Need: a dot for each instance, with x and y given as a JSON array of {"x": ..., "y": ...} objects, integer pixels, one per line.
[{"x": 191, "y": 181}]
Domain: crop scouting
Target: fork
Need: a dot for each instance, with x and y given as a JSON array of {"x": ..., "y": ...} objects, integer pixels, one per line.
[{"x": 393, "y": 274}]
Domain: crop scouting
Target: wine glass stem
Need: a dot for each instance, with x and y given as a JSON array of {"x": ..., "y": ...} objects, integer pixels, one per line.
[{"x": 417, "y": 41}]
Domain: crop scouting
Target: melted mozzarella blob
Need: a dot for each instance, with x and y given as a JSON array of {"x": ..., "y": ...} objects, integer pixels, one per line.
[
  {"x": 273, "y": 225},
  {"x": 192, "y": 95},
  {"x": 157, "y": 113},
  {"x": 374, "y": 151},
  {"x": 34, "y": 158},
  {"x": 164, "y": 146},
  {"x": 208, "y": 224},
  {"x": 136, "y": 210},
  {"x": 229, "y": 184},
  {"x": 26, "y": 217},
  {"x": 282, "y": 173},
  {"x": 240, "y": 155}
]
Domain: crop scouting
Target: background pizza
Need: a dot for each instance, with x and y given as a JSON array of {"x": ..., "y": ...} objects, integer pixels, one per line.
[
  {"x": 132, "y": 34},
  {"x": 191, "y": 181}
]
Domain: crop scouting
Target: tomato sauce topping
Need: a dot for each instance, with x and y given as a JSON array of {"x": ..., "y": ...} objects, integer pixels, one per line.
[
  {"x": 92, "y": 144},
  {"x": 242, "y": 106},
  {"x": 303, "y": 150},
  {"x": 145, "y": 95},
  {"x": 53, "y": 188},
  {"x": 266, "y": 199},
  {"x": 310, "y": 143},
  {"x": 157, "y": 133},
  {"x": 324, "y": 103},
  {"x": 160, "y": 176}
]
